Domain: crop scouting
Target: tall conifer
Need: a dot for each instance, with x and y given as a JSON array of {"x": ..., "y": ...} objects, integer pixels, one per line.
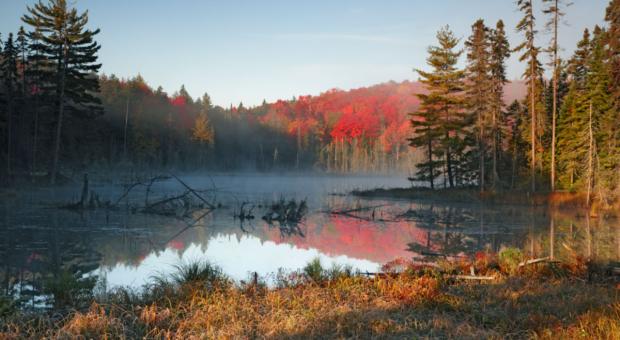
[
  {"x": 70, "y": 47},
  {"x": 478, "y": 93},
  {"x": 533, "y": 75}
]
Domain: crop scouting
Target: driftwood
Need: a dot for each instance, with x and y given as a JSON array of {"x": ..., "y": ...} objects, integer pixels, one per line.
[
  {"x": 180, "y": 205},
  {"x": 244, "y": 214},
  {"x": 533, "y": 261},
  {"x": 283, "y": 212},
  {"x": 473, "y": 277},
  {"x": 372, "y": 218},
  {"x": 211, "y": 206},
  {"x": 89, "y": 199}
]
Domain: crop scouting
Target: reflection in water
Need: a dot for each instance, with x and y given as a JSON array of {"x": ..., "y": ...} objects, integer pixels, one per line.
[
  {"x": 240, "y": 256},
  {"x": 38, "y": 243}
]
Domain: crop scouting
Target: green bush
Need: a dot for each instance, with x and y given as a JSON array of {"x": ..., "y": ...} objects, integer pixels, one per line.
[
  {"x": 314, "y": 270},
  {"x": 509, "y": 259}
]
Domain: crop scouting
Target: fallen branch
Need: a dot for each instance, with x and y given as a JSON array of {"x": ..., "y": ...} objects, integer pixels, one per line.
[
  {"x": 533, "y": 261},
  {"x": 211, "y": 206},
  {"x": 473, "y": 277}
]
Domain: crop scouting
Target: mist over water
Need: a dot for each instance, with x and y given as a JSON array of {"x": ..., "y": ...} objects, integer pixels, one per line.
[{"x": 127, "y": 248}]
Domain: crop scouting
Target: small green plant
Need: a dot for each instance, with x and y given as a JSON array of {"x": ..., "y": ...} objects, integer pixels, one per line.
[
  {"x": 339, "y": 271},
  {"x": 7, "y": 306},
  {"x": 314, "y": 270},
  {"x": 70, "y": 289},
  {"x": 198, "y": 272},
  {"x": 509, "y": 259}
]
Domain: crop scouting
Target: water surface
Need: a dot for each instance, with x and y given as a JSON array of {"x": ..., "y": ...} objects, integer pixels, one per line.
[{"x": 125, "y": 248}]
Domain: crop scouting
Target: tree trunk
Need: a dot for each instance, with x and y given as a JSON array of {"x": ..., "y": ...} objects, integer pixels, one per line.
[
  {"x": 431, "y": 169},
  {"x": 61, "y": 108},
  {"x": 480, "y": 154},
  {"x": 9, "y": 134},
  {"x": 125, "y": 131},
  {"x": 555, "y": 92},
  {"x": 35, "y": 139},
  {"x": 495, "y": 139},
  {"x": 590, "y": 158},
  {"x": 533, "y": 110}
]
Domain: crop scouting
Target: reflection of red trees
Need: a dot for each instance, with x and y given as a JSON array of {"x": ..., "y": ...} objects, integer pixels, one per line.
[
  {"x": 355, "y": 238},
  {"x": 176, "y": 244}
]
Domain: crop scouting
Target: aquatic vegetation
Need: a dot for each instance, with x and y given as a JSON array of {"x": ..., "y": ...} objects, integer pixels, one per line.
[
  {"x": 198, "y": 272},
  {"x": 314, "y": 270},
  {"x": 416, "y": 303},
  {"x": 70, "y": 289}
]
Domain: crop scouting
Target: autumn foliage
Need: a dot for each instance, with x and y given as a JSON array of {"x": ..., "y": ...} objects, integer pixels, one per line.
[{"x": 363, "y": 129}]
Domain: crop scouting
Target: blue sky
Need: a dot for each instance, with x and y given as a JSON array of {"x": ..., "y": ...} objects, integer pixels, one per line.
[{"x": 269, "y": 49}]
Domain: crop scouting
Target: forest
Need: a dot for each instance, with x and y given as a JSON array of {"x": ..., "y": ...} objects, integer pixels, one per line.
[
  {"x": 452, "y": 128},
  {"x": 456, "y": 204}
]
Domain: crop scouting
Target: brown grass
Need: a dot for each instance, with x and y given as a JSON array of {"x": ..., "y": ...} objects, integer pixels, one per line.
[{"x": 534, "y": 303}]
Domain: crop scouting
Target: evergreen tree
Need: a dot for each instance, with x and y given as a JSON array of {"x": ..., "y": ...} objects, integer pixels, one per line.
[
  {"x": 612, "y": 16},
  {"x": 8, "y": 68},
  {"x": 478, "y": 90},
  {"x": 605, "y": 120},
  {"x": 555, "y": 12},
  {"x": 515, "y": 146},
  {"x": 69, "y": 46},
  {"x": 533, "y": 76},
  {"x": 613, "y": 44},
  {"x": 442, "y": 105},
  {"x": 500, "y": 52},
  {"x": 36, "y": 73},
  {"x": 22, "y": 52},
  {"x": 426, "y": 135},
  {"x": 573, "y": 120}
]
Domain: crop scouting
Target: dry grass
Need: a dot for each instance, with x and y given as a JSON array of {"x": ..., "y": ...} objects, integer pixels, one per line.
[{"x": 535, "y": 303}]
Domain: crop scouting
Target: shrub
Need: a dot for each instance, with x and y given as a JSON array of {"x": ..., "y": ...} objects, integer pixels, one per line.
[
  {"x": 509, "y": 259},
  {"x": 199, "y": 272},
  {"x": 314, "y": 270}
]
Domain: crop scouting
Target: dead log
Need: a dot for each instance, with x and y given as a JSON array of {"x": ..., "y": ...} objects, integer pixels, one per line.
[
  {"x": 473, "y": 277},
  {"x": 211, "y": 206},
  {"x": 533, "y": 261}
]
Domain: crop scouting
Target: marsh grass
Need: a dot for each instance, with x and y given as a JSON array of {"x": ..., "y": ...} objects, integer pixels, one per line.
[{"x": 417, "y": 303}]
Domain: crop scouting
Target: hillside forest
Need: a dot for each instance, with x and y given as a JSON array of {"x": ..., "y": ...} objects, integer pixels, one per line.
[{"x": 452, "y": 127}]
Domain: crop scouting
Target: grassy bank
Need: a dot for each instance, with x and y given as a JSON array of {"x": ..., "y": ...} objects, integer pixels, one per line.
[
  {"x": 544, "y": 300},
  {"x": 471, "y": 195}
]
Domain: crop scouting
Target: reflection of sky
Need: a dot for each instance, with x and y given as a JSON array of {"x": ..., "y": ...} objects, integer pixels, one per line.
[{"x": 237, "y": 257}]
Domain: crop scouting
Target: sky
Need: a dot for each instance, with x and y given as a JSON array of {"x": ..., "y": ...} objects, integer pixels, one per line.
[{"x": 247, "y": 51}]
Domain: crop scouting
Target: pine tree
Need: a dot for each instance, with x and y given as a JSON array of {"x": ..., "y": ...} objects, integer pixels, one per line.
[
  {"x": 478, "y": 90},
  {"x": 573, "y": 120},
  {"x": 36, "y": 73},
  {"x": 533, "y": 75},
  {"x": 443, "y": 105},
  {"x": 515, "y": 147},
  {"x": 500, "y": 52},
  {"x": 426, "y": 135},
  {"x": 612, "y": 16},
  {"x": 555, "y": 12},
  {"x": 8, "y": 68},
  {"x": 604, "y": 121},
  {"x": 69, "y": 46},
  {"x": 22, "y": 52}
]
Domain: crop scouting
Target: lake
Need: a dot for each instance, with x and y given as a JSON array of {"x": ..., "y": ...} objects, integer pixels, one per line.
[{"x": 124, "y": 247}]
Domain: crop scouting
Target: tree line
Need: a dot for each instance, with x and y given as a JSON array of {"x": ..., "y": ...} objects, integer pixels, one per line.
[
  {"x": 59, "y": 115},
  {"x": 564, "y": 135}
]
